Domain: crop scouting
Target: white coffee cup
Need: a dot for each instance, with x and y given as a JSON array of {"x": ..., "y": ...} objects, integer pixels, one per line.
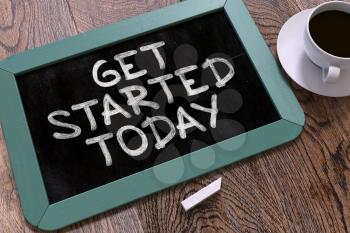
[{"x": 331, "y": 65}]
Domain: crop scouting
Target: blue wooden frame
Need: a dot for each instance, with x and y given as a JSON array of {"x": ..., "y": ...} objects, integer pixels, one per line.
[{"x": 29, "y": 182}]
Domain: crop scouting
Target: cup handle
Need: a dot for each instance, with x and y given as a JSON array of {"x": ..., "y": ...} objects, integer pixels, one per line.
[{"x": 331, "y": 74}]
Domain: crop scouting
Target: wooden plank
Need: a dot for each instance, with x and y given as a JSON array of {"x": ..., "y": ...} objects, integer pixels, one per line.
[
  {"x": 123, "y": 219},
  {"x": 29, "y": 24},
  {"x": 90, "y": 14}
]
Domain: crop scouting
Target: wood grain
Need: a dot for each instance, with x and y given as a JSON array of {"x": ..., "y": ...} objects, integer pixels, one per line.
[
  {"x": 299, "y": 187},
  {"x": 28, "y": 24},
  {"x": 90, "y": 14}
]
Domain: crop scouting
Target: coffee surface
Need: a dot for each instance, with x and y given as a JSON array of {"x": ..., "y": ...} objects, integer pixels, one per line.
[{"x": 330, "y": 31}]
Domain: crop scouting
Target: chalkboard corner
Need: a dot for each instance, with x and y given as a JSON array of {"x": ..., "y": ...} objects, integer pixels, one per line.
[
  {"x": 291, "y": 129},
  {"x": 4, "y": 72},
  {"x": 297, "y": 116},
  {"x": 47, "y": 224},
  {"x": 33, "y": 217}
]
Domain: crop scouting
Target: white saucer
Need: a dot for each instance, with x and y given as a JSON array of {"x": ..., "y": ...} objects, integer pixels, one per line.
[{"x": 290, "y": 49}]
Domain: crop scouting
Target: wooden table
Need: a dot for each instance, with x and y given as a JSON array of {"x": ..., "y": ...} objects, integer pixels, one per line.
[{"x": 300, "y": 187}]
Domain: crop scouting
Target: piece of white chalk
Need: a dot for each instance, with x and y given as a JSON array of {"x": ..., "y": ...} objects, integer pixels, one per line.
[{"x": 201, "y": 195}]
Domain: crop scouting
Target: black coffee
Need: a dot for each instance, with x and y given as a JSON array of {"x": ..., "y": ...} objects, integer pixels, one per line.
[{"x": 331, "y": 32}]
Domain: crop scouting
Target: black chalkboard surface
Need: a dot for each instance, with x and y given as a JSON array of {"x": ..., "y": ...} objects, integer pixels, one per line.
[{"x": 72, "y": 160}]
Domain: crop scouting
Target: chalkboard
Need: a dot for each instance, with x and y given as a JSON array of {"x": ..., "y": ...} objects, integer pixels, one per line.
[
  {"x": 73, "y": 165},
  {"x": 104, "y": 116}
]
